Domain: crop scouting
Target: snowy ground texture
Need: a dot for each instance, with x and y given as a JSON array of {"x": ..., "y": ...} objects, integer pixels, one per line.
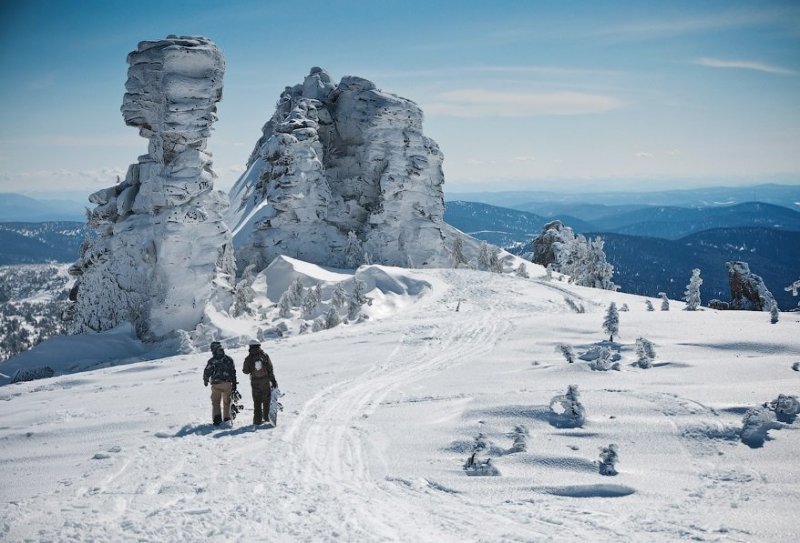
[{"x": 380, "y": 417}]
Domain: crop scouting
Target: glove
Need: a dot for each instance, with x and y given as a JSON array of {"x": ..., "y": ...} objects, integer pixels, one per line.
[{"x": 205, "y": 382}]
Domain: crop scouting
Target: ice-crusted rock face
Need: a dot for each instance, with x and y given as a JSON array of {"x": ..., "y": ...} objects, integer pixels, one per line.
[
  {"x": 748, "y": 291},
  {"x": 162, "y": 249},
  {"x": 336, "y": 159}
]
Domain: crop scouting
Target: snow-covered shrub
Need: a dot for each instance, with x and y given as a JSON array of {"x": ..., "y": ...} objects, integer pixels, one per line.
[
  {"x": 608, "y": 460},
  {"x": 520, "y": 437},
  {"x": 692, "y": 293},
  {"x": 522, "y": 271},
  {"x": 796, "y": 366},
  {"x": 664, "y": 301},
  {"x": 611, "y": 321},
  {"x": 786, "y": 408},
  {"x": 774, "y": 314},
  {"x": 318, "y": 324},
  {"x": 495, "y": 264},
  {"x": 474, "y": 466},
  {"x": 794, "y": 288},
  {"x": 604, "y": 360},
  {"x": 624, "y": 307},
  {"x": 567, "y": 352},
  {"x": 566, "y": 410},
  {"x": 755, "y": 425},
  {"x": 649, "y": 305},
  {"x": 548, "y": 275},
  {"x": 645, "y": 353}
]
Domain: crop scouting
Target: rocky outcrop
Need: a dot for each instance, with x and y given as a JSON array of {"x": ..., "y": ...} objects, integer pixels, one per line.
[
  {"x": 162, "y": 250},
  {"x": 336, "y": 159},
  {"x": 545, "y": 245},
  {"x": 748, "y": 291}
]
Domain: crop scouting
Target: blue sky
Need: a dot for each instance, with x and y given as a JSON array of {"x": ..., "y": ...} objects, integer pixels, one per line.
[{"x": 570, "y": 95}]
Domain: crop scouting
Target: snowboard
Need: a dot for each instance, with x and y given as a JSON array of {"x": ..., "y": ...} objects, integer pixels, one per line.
[{"x": 274, "y": 406}]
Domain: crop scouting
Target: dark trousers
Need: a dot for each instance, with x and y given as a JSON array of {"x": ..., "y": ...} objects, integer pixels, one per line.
[{"x": 261, "y": 396}]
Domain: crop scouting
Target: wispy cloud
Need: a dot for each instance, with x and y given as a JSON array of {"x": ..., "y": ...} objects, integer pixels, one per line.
[
  {"x": 487, "y": 103},
  {"x": 644, "y": 154},
  {"x": 743, "y": 65}
]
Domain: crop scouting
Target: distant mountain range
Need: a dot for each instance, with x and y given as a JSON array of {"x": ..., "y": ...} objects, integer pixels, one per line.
[
  {"x": 30, "y": 243},
  {"x": 548, "y": 203},
  {"x": 16, "y": 207}
]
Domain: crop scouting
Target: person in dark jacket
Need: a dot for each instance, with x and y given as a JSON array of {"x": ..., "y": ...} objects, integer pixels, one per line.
[
  {"x": 221, "y": 373},
  {"x": 262, "y": 377}
]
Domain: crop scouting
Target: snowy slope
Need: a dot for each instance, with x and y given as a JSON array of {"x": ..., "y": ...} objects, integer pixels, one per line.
[{"x": 380, "y": 416}]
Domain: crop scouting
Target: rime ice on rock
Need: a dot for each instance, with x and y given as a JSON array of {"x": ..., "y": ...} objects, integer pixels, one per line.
[
  {"x": 162, "y": 250},
  {"x": 336, "y": 159},
  {"x": 748, "y": 291}
]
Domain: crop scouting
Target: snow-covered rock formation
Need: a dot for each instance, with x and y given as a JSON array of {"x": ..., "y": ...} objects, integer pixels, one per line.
[
  {"x": 342, "y": 175},
  {"x": 748, "y": 291},
  {"x": 162, "y": 249}
]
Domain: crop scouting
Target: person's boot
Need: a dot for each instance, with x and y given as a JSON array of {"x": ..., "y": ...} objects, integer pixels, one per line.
[{"x": 217, "y": 420}]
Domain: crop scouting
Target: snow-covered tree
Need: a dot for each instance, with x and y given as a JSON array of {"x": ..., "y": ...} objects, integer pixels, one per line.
[
  {"x": 312, "y": 299},
  {"x": 339, "y": 296},
  {"x": 608, "y": 460},
  {"x": 332, "y": 319},
  {"x": 357, "y": 299},
  {"x": 664, "y": 301},
  {"x": 319, "y": 324},
  {"x": 484, "y": 257},
  {"x": 566, "y": 351},
  {"x": 495, "y": 263},
  {"x": 611, "y": 321},
  {"x": 353, "y": 251},
  {"x": 285, "y": 305},
  {"x": 569, "y": 407},
  {"x": 645, "y": 353},
  {"x": 457, "y": 253},
  {"x": 243, "y": 292},
  {"x": 692, "y": 293},
  {"x": 295, "y": 292},
  {"x": 774, "y": 314},
  {"x": 522, "y": 271},
  {"x": 649, "y": 305},
  {"x": 624, "y": 307},
  {"x": 549, "y": 272}
]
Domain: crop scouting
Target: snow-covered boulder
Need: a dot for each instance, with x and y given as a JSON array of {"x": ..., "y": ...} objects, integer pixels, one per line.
[
  {"x": 342, "y": 176},
  {"x": 162, "y": 250},
  {"x": 748, "y": 291}
]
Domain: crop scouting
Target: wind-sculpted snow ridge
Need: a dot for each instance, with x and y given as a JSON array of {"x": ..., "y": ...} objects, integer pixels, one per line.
[
  {"x": 162, "y": 250},
  {"x": 342, "y": 176}
]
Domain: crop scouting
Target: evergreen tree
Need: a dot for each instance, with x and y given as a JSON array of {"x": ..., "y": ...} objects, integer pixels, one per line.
[
  {"x": 692, "y": 294},
  {"x": 573, "y": 413},
  {"x": 339, "y": 296},
  {"x": 664, "y": 301},
  {"x": 353, "y": 252},
  {"x": 566, "y": 351},
  {"x": 311, "y": 300},
  {"x": 295, "y": 292},
  {"x": 285, "y": 305},
  {"x": 484, "y": 257},
  {"x": 522, "y": 271},
  {"x": 611, "y": 321},
  {"x": 357, "y": 299},
  {"x": 649, "y": 305},
  {"x": 774, "y": 314},
  {"x": 608, "y": 460},
  {"x": 645, "y": 353},
  {"x": 332, "y": 319},
  {"x": 459, "y": 260},
  {"x": 243, "y": 292}
]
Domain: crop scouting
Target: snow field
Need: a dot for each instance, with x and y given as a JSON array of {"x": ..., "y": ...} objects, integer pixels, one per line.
[{"x": 380, "y": 416}]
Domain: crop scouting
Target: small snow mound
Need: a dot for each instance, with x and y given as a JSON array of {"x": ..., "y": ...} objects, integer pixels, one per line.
[{"x": 283, "y": 270}]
